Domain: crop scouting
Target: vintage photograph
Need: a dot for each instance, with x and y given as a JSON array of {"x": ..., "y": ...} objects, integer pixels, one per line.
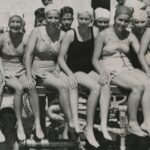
[{"x": 74, "y": 74}]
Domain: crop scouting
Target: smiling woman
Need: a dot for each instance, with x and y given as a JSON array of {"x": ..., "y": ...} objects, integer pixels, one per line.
[
  {"x": 12, "y": 47},
  {"x": 112, "y": 45}
]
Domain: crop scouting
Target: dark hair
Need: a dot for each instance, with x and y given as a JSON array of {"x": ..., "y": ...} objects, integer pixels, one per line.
[
  {"x": 39, "y": 13},
  {"x": 65, "y": 10}
]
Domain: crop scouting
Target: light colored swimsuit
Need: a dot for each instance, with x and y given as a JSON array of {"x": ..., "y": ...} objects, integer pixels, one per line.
[
  {"x": 12, "y": 58},
  {"x": 115, "y": 60},
  {"x": 45, "y": 54}
]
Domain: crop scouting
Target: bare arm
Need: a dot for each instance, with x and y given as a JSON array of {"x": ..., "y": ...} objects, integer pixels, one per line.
[
  {"x": 98, "y": 47},
  {"x": 145, "y": 41},
  {"x": 29, "y": 52},
  {"x": 63, "y": 52},
  {"x": 98, "y": 65},
  {"x": 62, "y": 57}
]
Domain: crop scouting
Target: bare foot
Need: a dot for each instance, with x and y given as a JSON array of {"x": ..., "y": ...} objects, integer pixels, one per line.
[
  {"x": 134, "y": 128},
  {"x": 106, "y": 133},
  {"x": 91, "y": 138},
  {"x": 20, "y": 133},
  {"x": 2, "y": 137},
  {"x": 65, "y": 135},
  {"x": 39, "y": 132},
  {"x": 146, "y": 127}
]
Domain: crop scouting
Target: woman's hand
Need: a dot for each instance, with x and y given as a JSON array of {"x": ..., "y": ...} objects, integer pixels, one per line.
[
  {"x": 30, "y": 83},
  {"x": 56, "y": 73},
  {"x": 104, "y": 77},
  {"x": 72, "y": 81}
]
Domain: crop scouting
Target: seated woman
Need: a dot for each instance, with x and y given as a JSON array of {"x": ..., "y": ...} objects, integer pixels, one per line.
[
  {"x": 12, "y": 47},
  {"x": 139, "y": 21},
  {"x": 75, "y": 60},
  {"x": 41, "y": 58},
  {"x": 102, "y": 18},
  {"x": 111, "y": 46}
]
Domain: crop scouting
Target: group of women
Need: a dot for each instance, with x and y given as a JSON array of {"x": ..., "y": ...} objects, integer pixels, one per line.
[{"x": 85, "y": 56}]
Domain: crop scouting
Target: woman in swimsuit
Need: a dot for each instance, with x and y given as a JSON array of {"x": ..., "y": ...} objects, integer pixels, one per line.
[
  {"x": 41, "y": 58},
  {"x": 75, "y": 60},
  {"x": 12, "y": 47},
  {"x": 111, "y": 46}
]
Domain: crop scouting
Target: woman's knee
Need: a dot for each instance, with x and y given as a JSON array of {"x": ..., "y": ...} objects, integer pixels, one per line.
[
  {"x": 63, "y": 87},
  {"x": 138, "y": 88},
  {"x": 19, "y": 89},
  {"x": 95, "y": 88}
]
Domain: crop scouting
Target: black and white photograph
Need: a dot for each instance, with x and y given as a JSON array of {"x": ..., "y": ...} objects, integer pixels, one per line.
[{"x": 74, "y": 74}]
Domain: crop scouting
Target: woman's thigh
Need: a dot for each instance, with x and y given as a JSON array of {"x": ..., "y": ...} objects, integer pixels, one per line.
[
  {"x": 87, "y": 80},
  {"x": 52, "y": 81},
  {"x": 14, "y": 83},
  {"x": 141, "y": 76},
  {"x": 127, "y": 80}
]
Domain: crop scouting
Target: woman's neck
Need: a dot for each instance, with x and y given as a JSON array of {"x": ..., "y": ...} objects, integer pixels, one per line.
[
  {"x": 51, "y": 30},
  {"x": 83, "y": 29},
  {"x": 120, "y": 34},
  {"x": 14, "y": 34}
]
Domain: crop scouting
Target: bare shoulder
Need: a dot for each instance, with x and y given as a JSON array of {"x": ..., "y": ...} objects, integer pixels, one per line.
[
  {"x": 104, "y": 33},
  {"x": 36, "y": 30},
  {"x": 70, "y": 35},
  {"x": 95, "y": 31},
  {"x": 147, "y": 33},
  {"x": 4, "y": 36}
]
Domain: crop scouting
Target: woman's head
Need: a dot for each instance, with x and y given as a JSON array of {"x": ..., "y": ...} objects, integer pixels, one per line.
[
  {"x": 102, "y": 18},
  {"x": 121, "y": 2},
  {"x": 39, "y": 17},
  {"x": 46, "y": 2},
  {"x": 16, "y": 22},
  {"x": 122, "y": 18},
  {"x": 66, "y": 14},
  {"x": 140, "y": 20},
  {"x": 85, "y": 16},
  {"x": 52, "y": 15}
]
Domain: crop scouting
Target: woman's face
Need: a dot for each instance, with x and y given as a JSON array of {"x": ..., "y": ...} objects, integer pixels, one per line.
[
  {"x": 15, "y": 24},
  {"x": 53, "y": 18},
  {"x": 102, "y": 23},
  {"x": 84, "y": 19},
  {"x": 140, "y": 25},
  {"x": 121, "y": 22},
  {"x": 66, "y": 21}
]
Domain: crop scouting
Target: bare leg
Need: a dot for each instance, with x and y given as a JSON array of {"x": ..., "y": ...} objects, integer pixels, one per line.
[
  {"x": 87, "y": 81},
  {"x": 73, "y": 95},
  {"x": 104, "y": 108},
  {"x": 104, "y": 102},
  {"x": 14, "y": 83},
  {"x": 128, "y": 81},
  {"x": 65, "y": 132},
  {"x": 145, "y": 100},
  {"x": 2, "y": 137},
  {"x": 62, "y": 87},
  {"x": 34, "y": 101}
]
